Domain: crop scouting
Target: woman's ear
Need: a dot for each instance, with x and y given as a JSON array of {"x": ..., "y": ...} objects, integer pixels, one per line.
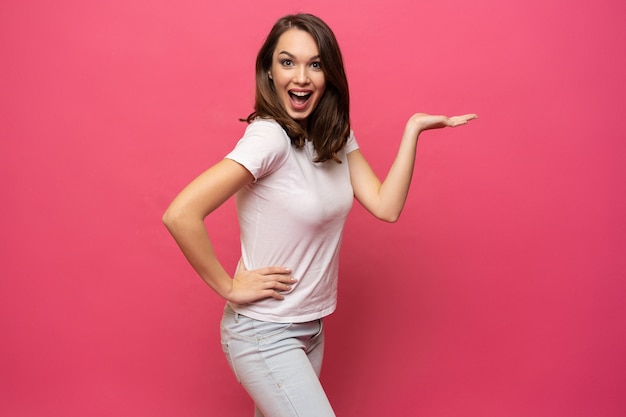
[{"x": 270, "y": 74}]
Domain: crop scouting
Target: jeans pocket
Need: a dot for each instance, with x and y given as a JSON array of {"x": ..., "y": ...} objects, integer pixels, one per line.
[
  {"x": 320, "y": 332},
  {"x": 268, "y": 332}
]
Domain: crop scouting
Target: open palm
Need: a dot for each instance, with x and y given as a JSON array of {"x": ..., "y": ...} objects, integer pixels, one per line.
[{"x": 425, "y": 121}]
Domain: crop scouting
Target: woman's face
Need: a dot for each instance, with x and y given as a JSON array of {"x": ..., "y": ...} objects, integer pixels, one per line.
[{"x": 297, "y": 73}]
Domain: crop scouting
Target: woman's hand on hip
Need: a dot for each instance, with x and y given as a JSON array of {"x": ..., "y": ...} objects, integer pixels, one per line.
[{"x": 257, "y": 284}]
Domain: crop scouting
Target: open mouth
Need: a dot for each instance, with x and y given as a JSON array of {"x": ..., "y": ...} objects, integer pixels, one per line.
[{"x": 299, "y": 98}]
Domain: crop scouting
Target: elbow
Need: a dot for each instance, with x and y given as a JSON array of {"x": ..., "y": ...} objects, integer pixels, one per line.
[
  {"x": 171, "y": 217},
  {"x": 167, "y": 219},
  {"x": 180, "y": 216},
  {"x": 389, "y": 213},
  {"x": 389, "y": 217}
]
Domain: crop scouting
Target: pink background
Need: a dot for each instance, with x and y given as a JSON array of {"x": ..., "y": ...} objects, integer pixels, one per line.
[{"x": 500, "y": 292}]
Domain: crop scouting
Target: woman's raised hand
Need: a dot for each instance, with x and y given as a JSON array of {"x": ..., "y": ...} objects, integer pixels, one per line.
[
  {"x": 423, "y": 121},
  {"x": 253, "y": 285}
]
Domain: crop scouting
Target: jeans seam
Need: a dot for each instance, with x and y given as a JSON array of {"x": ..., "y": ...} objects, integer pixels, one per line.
[{"x": 277, "y": 383}]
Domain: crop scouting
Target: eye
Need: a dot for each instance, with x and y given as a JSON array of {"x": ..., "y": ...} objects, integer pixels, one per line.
[
  {"x": 286, "y": 62},
  {"x": 316, "y": 65}
]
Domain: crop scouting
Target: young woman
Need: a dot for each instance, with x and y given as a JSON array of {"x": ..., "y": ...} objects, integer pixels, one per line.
[{"x": 295, "y": 174}]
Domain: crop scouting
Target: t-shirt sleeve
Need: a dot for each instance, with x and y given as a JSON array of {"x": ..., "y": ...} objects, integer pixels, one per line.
[
  {"x": 351, "y": 144},
  {"x": 263, "y": 148}
]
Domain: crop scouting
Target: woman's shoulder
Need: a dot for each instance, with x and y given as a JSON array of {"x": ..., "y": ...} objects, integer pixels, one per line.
[
  {"x": 267, "y": 133},
  {"x": 351, "y": 143},
  {"x": 263, "y": 149},
  {"x": 268, "y": 126}
]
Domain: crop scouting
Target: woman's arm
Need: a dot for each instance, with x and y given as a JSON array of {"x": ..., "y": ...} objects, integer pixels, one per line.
[
  {"x": 184, "y": 219},
  {"x": 385, "y": 200}
]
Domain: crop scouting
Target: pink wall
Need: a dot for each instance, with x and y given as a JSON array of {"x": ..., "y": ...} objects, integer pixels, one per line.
[{"x": 499, "y": 293}]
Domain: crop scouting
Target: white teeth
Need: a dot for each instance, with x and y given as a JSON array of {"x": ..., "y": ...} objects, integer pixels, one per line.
[{"x": 299, "y": 93}]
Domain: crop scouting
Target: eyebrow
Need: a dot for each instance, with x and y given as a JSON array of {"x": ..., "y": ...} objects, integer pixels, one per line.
[{"x": 293, "y": 56}]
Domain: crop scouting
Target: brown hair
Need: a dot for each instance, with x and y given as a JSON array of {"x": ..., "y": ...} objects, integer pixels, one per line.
[{"x": 328, "y": 126}]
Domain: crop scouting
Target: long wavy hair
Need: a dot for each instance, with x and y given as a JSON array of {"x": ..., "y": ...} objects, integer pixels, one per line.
[{"x": 328, "y": 126}]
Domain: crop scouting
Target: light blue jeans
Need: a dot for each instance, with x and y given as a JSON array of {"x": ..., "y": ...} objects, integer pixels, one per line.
[{"x": 278, "y": 364}]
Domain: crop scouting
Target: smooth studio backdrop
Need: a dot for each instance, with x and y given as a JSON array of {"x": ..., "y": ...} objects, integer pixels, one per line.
[{"x": 500, "y": 292}]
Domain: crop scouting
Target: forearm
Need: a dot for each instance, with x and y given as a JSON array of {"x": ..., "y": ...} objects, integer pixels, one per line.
[
  {"x": 192, "y": 238},
  {"x": 394, "y": 189},
  {"x": 386, "y": 200}
]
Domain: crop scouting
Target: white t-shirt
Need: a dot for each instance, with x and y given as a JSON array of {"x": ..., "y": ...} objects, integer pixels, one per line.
[{"x": 292, "y": 215}]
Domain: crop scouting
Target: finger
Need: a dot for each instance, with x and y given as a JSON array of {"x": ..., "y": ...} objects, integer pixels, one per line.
[
  {"x": 468, "y": 117},
  {"x": 278, "y": 296},
  {"x": 278, "y": 286},
  {"x": 461, "y": 120},
  {"x": 270, "y": 294},
  {"x": 275, "y": 270},
  {"x": 285, "y": 279}
]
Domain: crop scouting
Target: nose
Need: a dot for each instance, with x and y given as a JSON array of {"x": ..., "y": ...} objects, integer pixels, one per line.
[{"x": 302, "y": 75}]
